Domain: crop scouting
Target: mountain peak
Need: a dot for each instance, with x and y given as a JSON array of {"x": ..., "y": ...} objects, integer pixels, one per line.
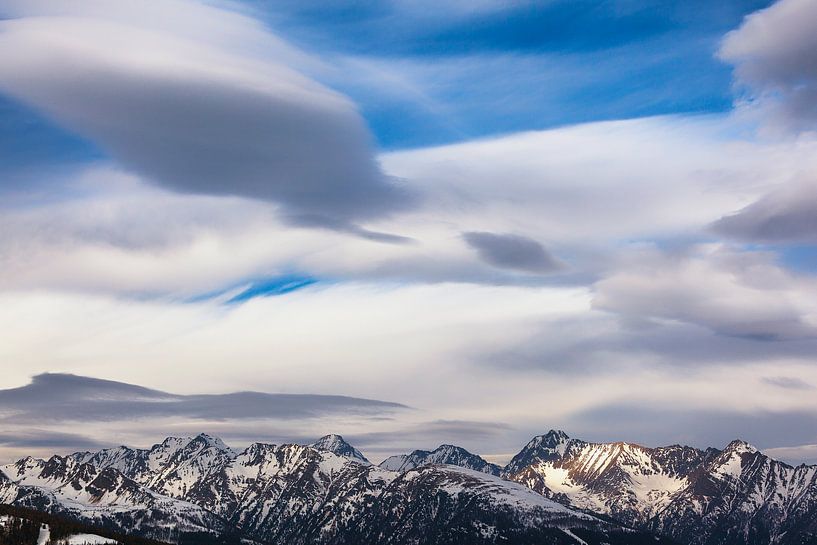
[
  {"x": 552, "y": 440},
  {"x": 740, "y": 446},
  {"x": 556, "y": 436},
  {"x": 336, "y": 444},
  {"x": 175, "y": 441},
  {"x": 208, "y": 441},
  {"x": 552, "y": 444},
  {"x": 443, "y": 454},
  {"x": 447, "y": 447}
]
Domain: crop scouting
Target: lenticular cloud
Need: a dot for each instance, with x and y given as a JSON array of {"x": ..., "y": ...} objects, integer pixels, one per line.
[{"x": 200, "y": 117}]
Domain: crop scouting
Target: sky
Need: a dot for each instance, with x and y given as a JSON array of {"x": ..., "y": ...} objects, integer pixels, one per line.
[{"x": 410, "y": 223}]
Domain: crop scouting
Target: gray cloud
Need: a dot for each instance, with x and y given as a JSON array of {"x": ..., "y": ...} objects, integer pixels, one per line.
[
  {"x": 744, "y": 294},
  {"x": 472, "y": 435},
  {"x": 791, "y": 383},
  {"x": 602, "y": 345},
  {"x": 509, "y": 251},
  {"x": 774, "y": 53},
  {"x": 48, "y": 439},
  {"x": 196, "y": 118},
  {"x": 787, "y": 215},
  {"x": 65, "y": 397},
  {"x": 343, "y": 226},
  {"x": 651, "y": 426},
  {"x": 775, "y": 57}
]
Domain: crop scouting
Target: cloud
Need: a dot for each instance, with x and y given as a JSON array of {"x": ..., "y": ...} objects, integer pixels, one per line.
[
  {"x": 44, "y": 439},
  {"x": 520, "y": 348},
  {"x": 774, "y": 53},
  {"x": 791, "y": 383},
  {"x": 603, "y": 344},
  {"x": 654, "y": 426},
  {"x": 581, "y": 192},
  {"x": 788, "y": 214},
  {"x": 267, "y": 344},
  {"x": 472, "y": 435},
  {"x": 599, "y": 182},
  {"x": 199, "y": 114},
  {"x": 744, "y": 294},
  {"x": 64, "y": 397},
  {"x": 511, "y": 251},
  {"x": 800, "y": 454}
]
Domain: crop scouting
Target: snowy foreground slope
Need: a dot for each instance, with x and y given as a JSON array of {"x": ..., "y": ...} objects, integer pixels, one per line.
[{"x": 329, "y": 493}]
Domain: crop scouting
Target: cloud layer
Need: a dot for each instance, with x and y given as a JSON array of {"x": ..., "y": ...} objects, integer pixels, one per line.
[
  {"x": 102, "y": 412},
  {"x": 63, "y": 397}
]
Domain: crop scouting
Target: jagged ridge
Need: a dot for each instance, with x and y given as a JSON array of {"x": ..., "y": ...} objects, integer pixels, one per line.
[
  {"x": 293, "y": 494},
  {"x": 329, "y": 493}
]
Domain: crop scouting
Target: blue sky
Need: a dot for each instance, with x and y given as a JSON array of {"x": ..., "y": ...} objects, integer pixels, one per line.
[
  {"x": 584, "y": 212},
  {"x": 532, "y": 65}
]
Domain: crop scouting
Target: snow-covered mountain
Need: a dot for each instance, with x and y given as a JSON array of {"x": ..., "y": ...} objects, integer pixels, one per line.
[
  {"x": 66, "y": 486},
  {"x": 438, "y": 504},
  {"x": 170, "y": 468},
  {"x": 444, "y": 454},
  {"x": 336, "y": 444},
  {"x": 736, "y": 496},
  {"x": 629, "y": 482},
  {"x": 295, "y": 494},
  {"x": 743, "y": 496},
  {"x": 556, "y": 490}
]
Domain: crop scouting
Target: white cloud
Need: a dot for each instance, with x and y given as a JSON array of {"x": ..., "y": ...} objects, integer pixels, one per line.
[
  {"x": 224, "y": 24},
  {"x": 799, "y": 454},
  {"x": 732, "y": 293},
  {"x": 775, "y": 56},
  {"x": 774, "y": 53},
  {"x": 600, "y": 181},
  {"x": 584, "y": 193}
]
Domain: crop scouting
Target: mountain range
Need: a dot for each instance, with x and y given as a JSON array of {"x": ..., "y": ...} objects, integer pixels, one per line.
[{"x": 556, "y": 490}]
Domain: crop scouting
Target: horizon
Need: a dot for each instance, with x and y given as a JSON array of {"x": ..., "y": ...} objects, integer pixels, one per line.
[{"x": 380, "y": 454}]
